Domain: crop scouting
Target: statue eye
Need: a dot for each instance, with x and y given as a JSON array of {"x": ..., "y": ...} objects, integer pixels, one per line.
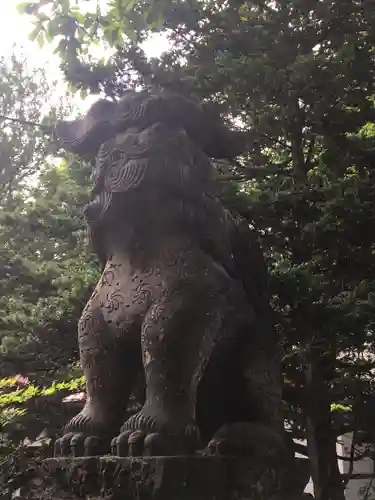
[{"x": 115, "y": 156}]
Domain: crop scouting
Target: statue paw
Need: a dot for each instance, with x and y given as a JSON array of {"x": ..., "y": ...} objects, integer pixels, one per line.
[
  {"x": 144, "y": 435},
  {"x": 247, "y": 439},
  {"x": 79, "y": 444},
  {"x": 139, "y": 443},
  {"x": 84, "y": 437}
]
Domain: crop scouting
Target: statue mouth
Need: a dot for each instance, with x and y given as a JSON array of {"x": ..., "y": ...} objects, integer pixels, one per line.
[{"x": 83, "y": 136}]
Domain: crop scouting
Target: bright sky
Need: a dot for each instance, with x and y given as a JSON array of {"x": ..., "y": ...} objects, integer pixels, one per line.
[{"x": 15, "y": 29}]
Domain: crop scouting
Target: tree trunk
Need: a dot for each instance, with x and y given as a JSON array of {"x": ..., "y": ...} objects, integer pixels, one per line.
[{"x": 321, "y": 440}]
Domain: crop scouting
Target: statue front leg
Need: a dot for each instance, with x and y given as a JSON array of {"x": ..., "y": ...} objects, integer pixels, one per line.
[
  {"x": 178, "y": 337},
  {"x": 111, "y": 362}
]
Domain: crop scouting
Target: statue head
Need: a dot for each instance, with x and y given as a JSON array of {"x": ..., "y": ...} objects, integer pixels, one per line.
[
  {"x": 143, "y": 109},
  {"x": 137, "y": 166},
  {"x": 148, "y": 148}
]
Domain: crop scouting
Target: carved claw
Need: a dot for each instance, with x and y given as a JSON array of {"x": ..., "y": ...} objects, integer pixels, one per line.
[
  {"x": 154, "y": 445},
  {"x": 218, "y": 447},
  {"x": 120, "y": 444},
  {"x": 62, "y": 445},
  {"x": 95, "y": 445},
  {"x": 138, "y": 443},
  {"x": 79, "y": 445}
]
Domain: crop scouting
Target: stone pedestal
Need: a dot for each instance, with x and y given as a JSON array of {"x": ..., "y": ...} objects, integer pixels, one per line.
[{"x": 164, "y": 478}]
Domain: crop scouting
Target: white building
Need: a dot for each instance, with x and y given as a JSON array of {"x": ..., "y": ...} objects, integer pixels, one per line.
[{"x": 358, "y": 488}]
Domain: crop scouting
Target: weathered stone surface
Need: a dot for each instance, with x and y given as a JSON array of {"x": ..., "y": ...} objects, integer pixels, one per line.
[
  {"x": 164, "y": 478},
  {"x": 183, "y": 299}
]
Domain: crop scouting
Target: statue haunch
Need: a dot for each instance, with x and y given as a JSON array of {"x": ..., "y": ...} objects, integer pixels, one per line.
[{"x": 183, "y": 292}]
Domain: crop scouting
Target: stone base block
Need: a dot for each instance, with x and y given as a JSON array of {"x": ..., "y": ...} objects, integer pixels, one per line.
[{"x": 162, "y": 478}]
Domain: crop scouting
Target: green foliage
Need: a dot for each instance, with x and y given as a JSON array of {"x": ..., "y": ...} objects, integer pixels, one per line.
[
  {"x": 46, "y": 272},
  {"x": 299, "y": 75},
  {"x": 47, "y": 277},
  {"x": 25, "y": 95},
  {"x": 14, "y": 396}
]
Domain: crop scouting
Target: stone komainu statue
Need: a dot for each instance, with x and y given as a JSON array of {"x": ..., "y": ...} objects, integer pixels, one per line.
[{"x": 183, "y": 295}]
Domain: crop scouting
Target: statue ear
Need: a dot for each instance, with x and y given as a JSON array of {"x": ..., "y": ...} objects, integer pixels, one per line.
[{"x": 85, "y": 135}]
